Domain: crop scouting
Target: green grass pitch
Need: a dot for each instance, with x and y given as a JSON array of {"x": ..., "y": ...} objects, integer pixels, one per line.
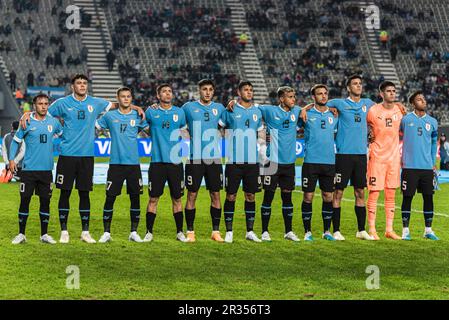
[{"x": 167, "y": 269}]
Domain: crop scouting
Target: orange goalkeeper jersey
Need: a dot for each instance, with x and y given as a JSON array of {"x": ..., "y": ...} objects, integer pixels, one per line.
[{"x": 384, "y": 124}]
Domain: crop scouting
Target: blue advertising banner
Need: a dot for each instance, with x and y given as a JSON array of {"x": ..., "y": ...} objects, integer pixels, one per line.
[{"x": 103, "y": 147}]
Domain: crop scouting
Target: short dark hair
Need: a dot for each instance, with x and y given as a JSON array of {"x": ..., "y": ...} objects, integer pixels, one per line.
[
  {"x": 121, "y": 89},
  {"x": 283, "y": 90},
  {"x": 161, "y": 86},
  {"x": 318, "y": 86},
  {"x": 354, "y": 76},
  {"x": 205, "y": 82},
  {"x": 79, "y": 76},
  {"x": 40, "y": 96},
  {"x": 412, "y": 97},
  {"x": 386, "y": 84},
  {"x": 244, "y": 83},
  {"x": 15, "y": 125}
]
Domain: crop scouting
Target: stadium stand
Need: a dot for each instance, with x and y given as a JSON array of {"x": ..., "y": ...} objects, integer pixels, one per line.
[
  {"x": 298, "y": 43},
  {"x": 179, "y": 42},
  {"x": 36, "y": 47}
]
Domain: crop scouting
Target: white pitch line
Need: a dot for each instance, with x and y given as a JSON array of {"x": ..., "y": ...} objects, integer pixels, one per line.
[{"x": 382, "y": 205}]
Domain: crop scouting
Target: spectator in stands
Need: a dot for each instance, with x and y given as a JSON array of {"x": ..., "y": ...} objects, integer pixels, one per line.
[
  {"x": 84, "y": 54},
  {"x": 41, "y": 78},
  {"x": 12, "y": 80},
  {"x": 57, "y": 59},
  {"x": 30, "y": 79},
  {"x": 393, "y": 52},
  {"x": 49, "y": 61},
  {"x": 383, "y": 37},
  {"x": 110, "y": 57},
  {"x": 444, "y": 153},
  {"x": 136, "y": 52},
  {"x": 19, "y": 96}
]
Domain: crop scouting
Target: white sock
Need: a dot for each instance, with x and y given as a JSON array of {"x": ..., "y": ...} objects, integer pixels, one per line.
[
  {"x": 428, "y": 230},
  {"x": 405, "y": 230}
]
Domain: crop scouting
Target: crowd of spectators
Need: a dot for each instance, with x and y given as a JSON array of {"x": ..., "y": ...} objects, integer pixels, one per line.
[
  {"x": 49, "y": 48},
  {"x": 183, "y": 79}
]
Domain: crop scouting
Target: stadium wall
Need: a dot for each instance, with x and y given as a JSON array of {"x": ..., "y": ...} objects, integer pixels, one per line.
[{"x": 9, "y": 110}]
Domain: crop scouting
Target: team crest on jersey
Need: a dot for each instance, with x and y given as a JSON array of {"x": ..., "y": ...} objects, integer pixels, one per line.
[
  {"x": 255, "y": 117},
  {"x": 364, "y": 108},
  {"x": 90, "y": 108},
  {"x": 215, "y": 112},
  {"x": 395, "y": 117},
  {"x": 175, "y": 118},
  {"x": 132, "y": 123},
  {"x": 50, "y": 128},
  {"x": 330, "y": 120},
  {"x": 428, "y": 126},
  {"x": 293, "y": 117}
]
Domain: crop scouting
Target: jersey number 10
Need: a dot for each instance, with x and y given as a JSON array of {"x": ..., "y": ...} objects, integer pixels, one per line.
[{"x": 43, "y": 138}]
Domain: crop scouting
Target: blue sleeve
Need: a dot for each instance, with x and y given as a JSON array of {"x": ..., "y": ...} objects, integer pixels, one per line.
[
  {"x": 434, "y": 143},
  {"x": 102, "y": 105},
  {"x": 259, "y": 122},
  {"x": 55, "y": 108},
  {"x": 13, "y": 149},
  {"x": 369, "y": 103},
  {"x": 224, "y": 122},
  {"x": 140, "y": 123},
  {"x": 334, "y": 103},
  {"x": 20, "y": 134},
  {"x": 102, "y": 122},
  {"x": 221, "y": 108},
  {"x": 263, "y": 111},
  {"x": 185, "y": 108},
  {"x": 148, "y": 116},
  {"x": 182, "y": 118},
  {"x": 401, "y": 127},
  {"x": 58, "y": 128}
]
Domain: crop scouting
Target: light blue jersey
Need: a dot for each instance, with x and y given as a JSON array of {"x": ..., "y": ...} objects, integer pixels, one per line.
[
  {"x": 420, "y": 138},
  {"x": 352, "y": 136},
  {"x": 38, "y": 139},
  {"x": 165, "y": 128},
  {"x": 319, "y": 133},
  {"x": 123, "y": 129},
  {"x": 282, "y": 127},
  {"x": 244, "y": 124},
  {"x": 79, "y": 123},
  {"x": 202, "y": 122}
]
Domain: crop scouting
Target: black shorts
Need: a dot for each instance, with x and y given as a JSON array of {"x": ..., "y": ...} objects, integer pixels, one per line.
[
  {"x": 118, "y": 173},
  {"x": 212, "y": 173},
  {"x": 159, "y": 173},
  {"x": 413, "y": 179},
  {"x": 79, "y": 169},
  {"x": 350, "y": 167},
  {"x": 284, "y": 178},
  {"x": 313, "y": 172},
  {"x": 36, "y": 182},
  {"x": 248, "y": 173}
]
